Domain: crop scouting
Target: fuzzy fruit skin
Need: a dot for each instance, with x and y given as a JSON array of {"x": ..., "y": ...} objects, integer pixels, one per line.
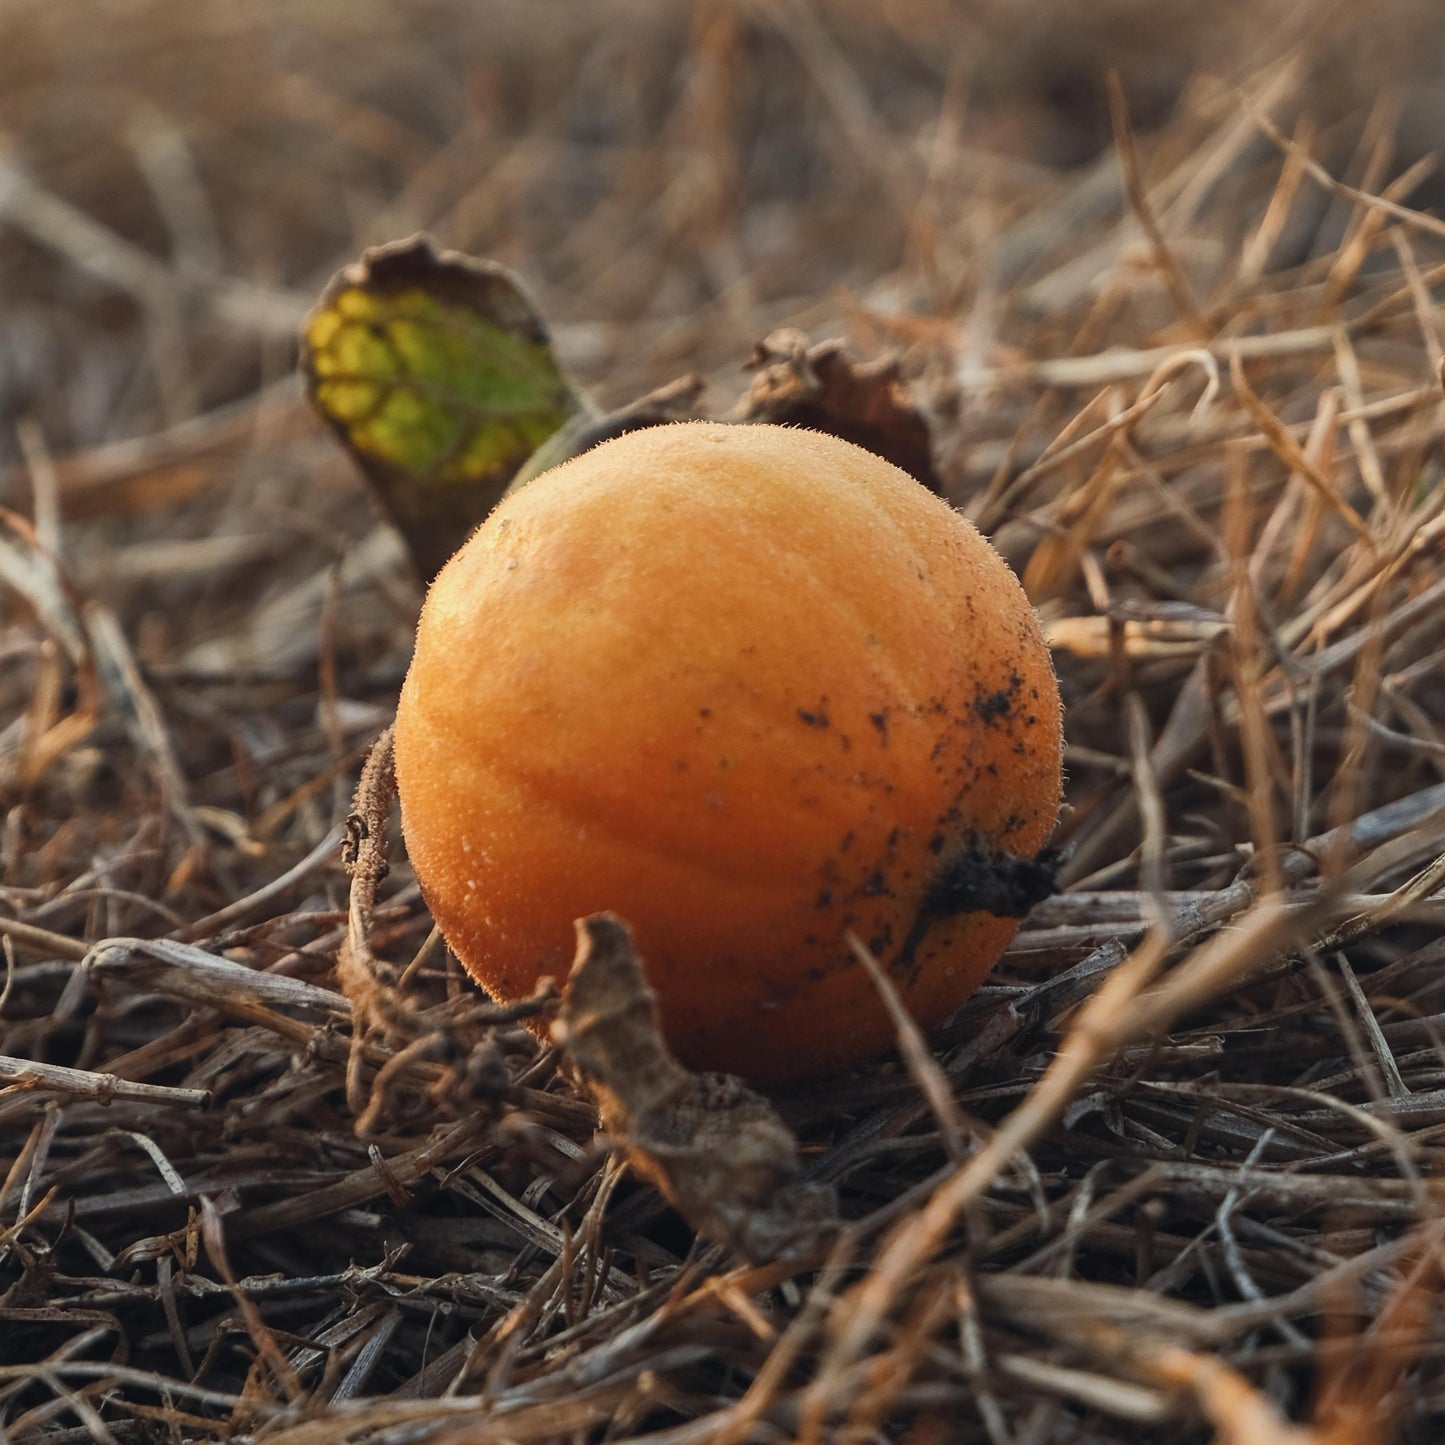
[{"x": 747, "y": 687}]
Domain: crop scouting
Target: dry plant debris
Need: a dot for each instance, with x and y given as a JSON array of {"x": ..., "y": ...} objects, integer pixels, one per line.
[
  {"x": 1176, "y": 1170},
  {"x": 716, "y": 1149},
  {"x": 821, "y": 386}
]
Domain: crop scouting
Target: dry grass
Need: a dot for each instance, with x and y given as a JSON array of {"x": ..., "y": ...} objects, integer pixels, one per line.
[{"x": 1187, "y": 1177}]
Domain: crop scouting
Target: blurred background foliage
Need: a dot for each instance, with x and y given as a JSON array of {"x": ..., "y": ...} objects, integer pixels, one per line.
[{"x": 178, "y": 180}]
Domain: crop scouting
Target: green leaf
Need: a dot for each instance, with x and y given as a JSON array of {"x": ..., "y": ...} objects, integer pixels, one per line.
[{"x": 436, "y": 371}]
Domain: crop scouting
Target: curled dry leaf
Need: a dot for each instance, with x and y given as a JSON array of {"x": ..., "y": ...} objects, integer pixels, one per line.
[
  {"x": 717, "y": 1150},
  {"x": 820, "y": 386}
]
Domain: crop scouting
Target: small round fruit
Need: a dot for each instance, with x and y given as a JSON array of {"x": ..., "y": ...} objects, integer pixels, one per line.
[{"x": 753, "y": 689}]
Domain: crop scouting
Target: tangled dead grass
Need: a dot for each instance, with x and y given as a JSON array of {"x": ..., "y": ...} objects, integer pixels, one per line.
[{"x": 1175, "y": 1167}]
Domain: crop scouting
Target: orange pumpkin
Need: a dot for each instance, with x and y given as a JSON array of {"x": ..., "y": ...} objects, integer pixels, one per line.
[{"x": 752, "y": 688}]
